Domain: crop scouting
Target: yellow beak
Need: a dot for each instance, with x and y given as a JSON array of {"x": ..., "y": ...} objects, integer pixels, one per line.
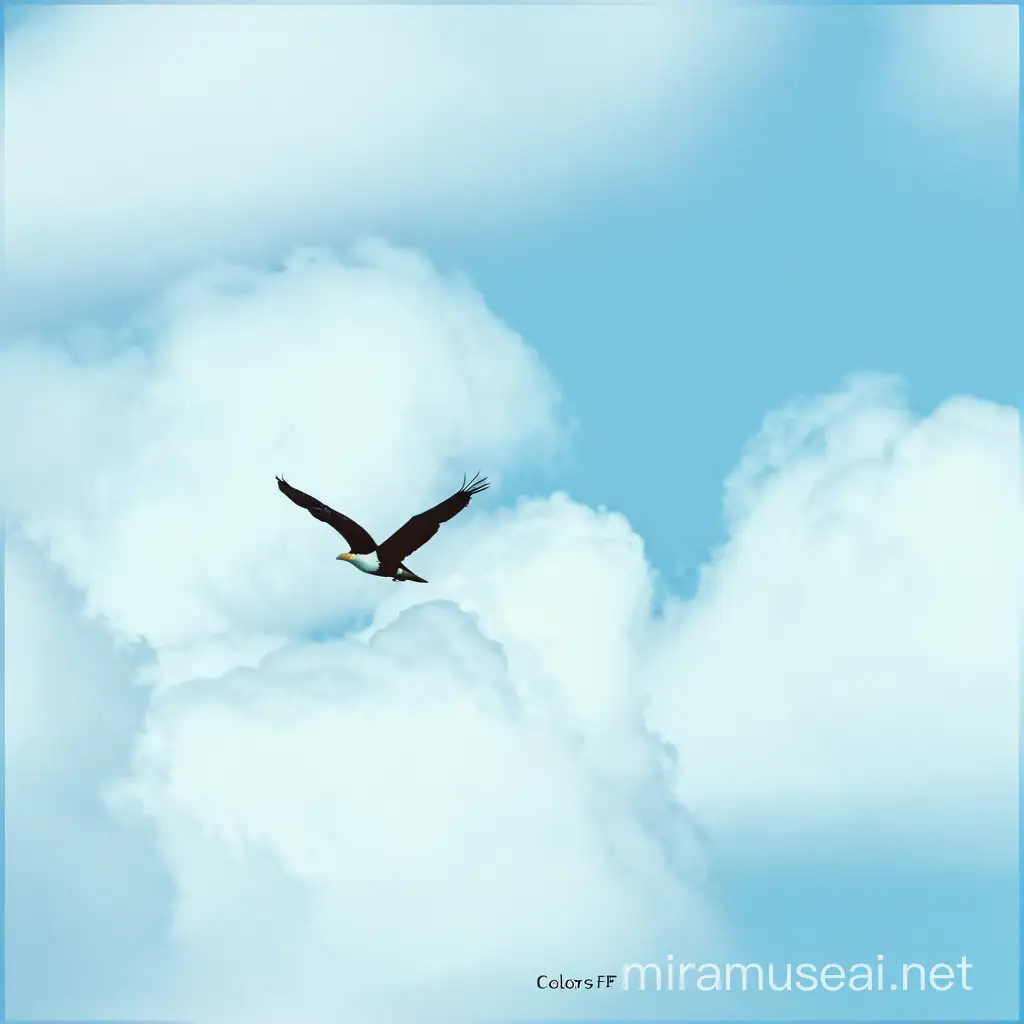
[{"x": 345, "y": 558}]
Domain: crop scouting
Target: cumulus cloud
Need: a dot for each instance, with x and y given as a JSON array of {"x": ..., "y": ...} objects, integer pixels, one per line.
[
  {"x": 520, "y": 763},
  {"x": 851, "y": 660},
  {"x": 198, "y": 132},
  {"x": 447, "y": 772},
  {"x": 86, "y": 902},
  {"x": 444, "y": 835},
  {"x": 373, "y": 377},
  {"x": 458, "y": 768},
  {"x": 528, "y": 732}
]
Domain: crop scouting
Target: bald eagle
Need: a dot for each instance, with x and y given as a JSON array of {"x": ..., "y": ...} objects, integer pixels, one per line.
[{"x": 386, "y": 559}]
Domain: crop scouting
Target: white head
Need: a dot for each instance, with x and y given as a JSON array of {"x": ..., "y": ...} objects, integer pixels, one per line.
[{"x": 365, "y": 563}]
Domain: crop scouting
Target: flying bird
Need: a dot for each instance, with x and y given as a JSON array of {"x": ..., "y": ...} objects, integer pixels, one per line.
[{"x": 387, "y": 558}]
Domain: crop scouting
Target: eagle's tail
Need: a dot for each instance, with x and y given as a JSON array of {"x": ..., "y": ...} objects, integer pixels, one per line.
[{"x": 407, "y": 575}]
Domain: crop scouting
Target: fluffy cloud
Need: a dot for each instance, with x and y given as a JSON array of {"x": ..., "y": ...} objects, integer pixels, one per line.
[
  {"x": 448, "y": 772},
  {"x": 529, "y": 740},
  {"x": 86, "y": 900},
  {"x": 441, "y": 834},
  {"x": 851, "y": 660},
  {"x": 379, "y": 372},
  {"x": 473, "y": 761},
  {"x": 197, "y": 132}
]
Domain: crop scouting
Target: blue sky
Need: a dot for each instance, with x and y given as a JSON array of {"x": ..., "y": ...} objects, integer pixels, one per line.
[
  {"x": 842, "y": 203},
  {"x": 820, "y": 242}
]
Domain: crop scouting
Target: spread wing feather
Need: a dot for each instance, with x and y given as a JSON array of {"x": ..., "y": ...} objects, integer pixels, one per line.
[
  {"x": 418, "y": 530},
  {"x": 358, "y": 540}
]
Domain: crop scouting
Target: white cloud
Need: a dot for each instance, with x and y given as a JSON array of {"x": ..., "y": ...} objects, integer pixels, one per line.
[
  {"x": 482, "y": 751},
  {"x": 445, "y": 837},
  {"x": 85, "y": 899},
  {"x": 372, "y": 384},
  {"x": 954, "y": 67},
  {"x": 142, "y": 140},
  {"x": 454, "y": 773},
  {"x": 852, "y": 657}
]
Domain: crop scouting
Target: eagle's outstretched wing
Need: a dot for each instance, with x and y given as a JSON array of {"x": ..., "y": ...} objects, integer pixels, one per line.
[
  {"x": 415, "y": 533},
  {"x": 359, "y": 541}
]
